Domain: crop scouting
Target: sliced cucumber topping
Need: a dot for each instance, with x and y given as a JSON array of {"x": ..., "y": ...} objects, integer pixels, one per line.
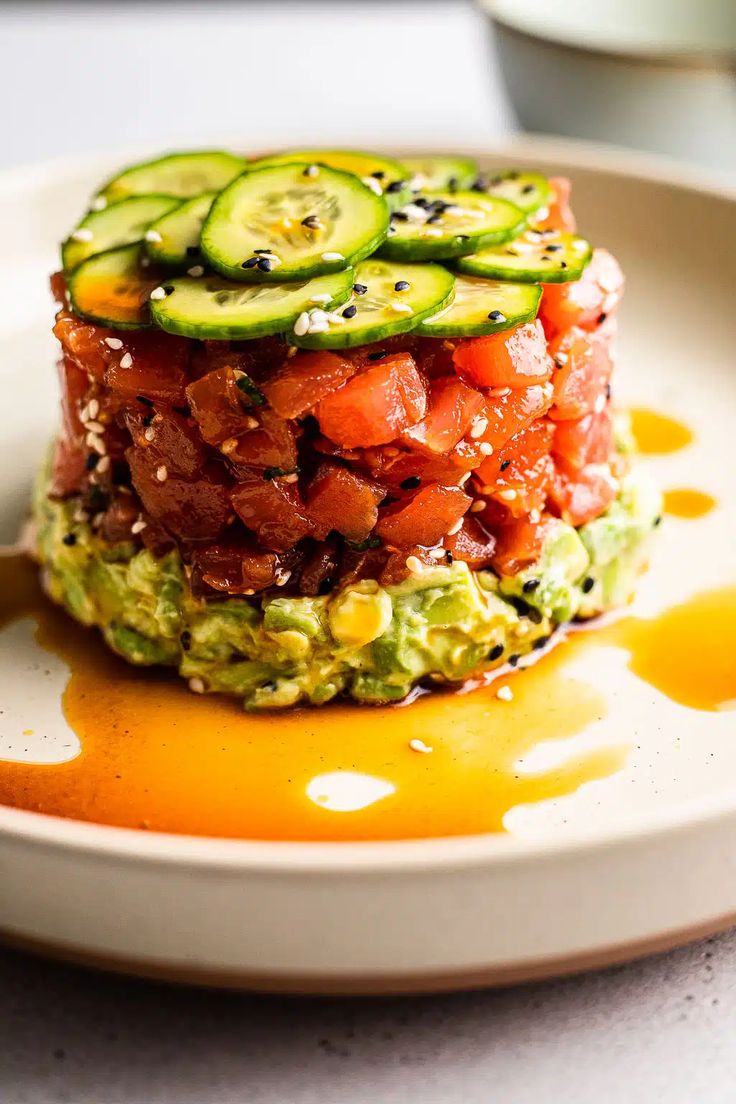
[
  {"x": 537, "y": 256},
  {"x": 447, "y": 224},
  {"x": 111, "y": 288},
  {"x": 528, "y": 190},
  {"x": 292, "y": 222},
  {"x": 179, "y": 174},
  {"x": 434, "y": 174},
  {"x": 211, "y": 307},
  {"x": 391, "y": 177},
  {"x": 483, "y": 307},
  {"x": 121, "y": 224},
  {"x": 387, "y": 299},
  {"x": 173, "y": 240}
]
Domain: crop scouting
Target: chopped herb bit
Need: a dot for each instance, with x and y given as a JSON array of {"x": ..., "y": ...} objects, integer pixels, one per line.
[
  {"x": 274, "y": 473},
  {"x": 505, "y": 464},
  {"x": 364, "y": 545},
  {"x": 247, "y": 386}
]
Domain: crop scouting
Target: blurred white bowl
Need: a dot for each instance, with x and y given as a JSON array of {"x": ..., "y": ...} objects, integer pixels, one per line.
[{"x": 656, "y": 74}]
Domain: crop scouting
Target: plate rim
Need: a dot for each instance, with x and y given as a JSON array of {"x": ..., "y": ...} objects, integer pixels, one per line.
[{"x": 385, "y": 856}]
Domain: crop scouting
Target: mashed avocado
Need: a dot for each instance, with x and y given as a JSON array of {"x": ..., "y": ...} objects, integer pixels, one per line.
[{"x": 370, "y": 642}]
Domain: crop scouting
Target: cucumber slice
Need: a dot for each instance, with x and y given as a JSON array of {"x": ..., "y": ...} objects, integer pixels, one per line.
[
  {"x": 483, "y": 307},
  {"x": 434, "y": 174},
  {"x": 291, "y": 222},
  {"x": 447, "y": 224},
  {"x": 391, "y": 177},
  {"x": 176, "y": 240},
  {"x": 110, "y": 288},
  {"x": 537, "y": 256},
  {"x": 211, "y": 307},
  {"x": 121, "y": 224},
  {"x": 178, "y": 174},
  {"x": 390, "y": 299},
  {"x": 528, "y": 190}
]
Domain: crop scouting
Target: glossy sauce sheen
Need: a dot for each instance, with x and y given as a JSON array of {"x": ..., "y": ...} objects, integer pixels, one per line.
[{"x": 155, "y": 756}]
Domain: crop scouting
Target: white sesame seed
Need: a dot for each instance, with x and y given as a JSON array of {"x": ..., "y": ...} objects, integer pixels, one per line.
[
  {"x": 456, "y": 528},
  {"x": 251, "y": 423},
  {"x": 302, "y": 324},
  {"x": 485, "y": 449},
  {"x": 479, "y": 426},
  {"x": 126, "y": 361},
  {"x": 248, "y": 592},
  {"x": 600, "y": 403},
  {"x": 311, "y": 170},
  {"x": 317, "y": 316},
  {"x": 292, "y": 477},
  {"x": 80, "y": 515},
  {"x": 464, "y": 479},
  {"x": 561, "y": 359},
  {"x": 335, "y": 319},
  {"x": 332, "y": 257},
  {"x": 82, "y": 235},
  {"x": 162, "y": 473},
  {"x": 505, "y": 693},
  {"x": 437, "y": 553},
  {"x": 283, "y": 578},
  {"x": 149, "y": 433},
  {"x": 103, "y": 465},
  {"x": 113, "y": 343},
  {"x": 138, "y": 526},
  {"x": 419, "y": 745},
  {"x": 196, "y": 685},
  {"x": 414, "y": 212},
  {"x": 99, "y": 203},
  {"x": 372, "y": 183},
  {"x": 401, "y": 308},
  {"x": 152, "y": 236},
  {"x": 415, "y": 565},
  {"x": 229, "y": 445},
  {"x": 318, "y": 327},
  {"x": 93, "y": 408},
  {"x": 94, "y": 427},
  {"x": 478, "y": 505},
  {"x": 499, "y": 392},
  {"x": 432, "y": 232},
  {"x": 157, "y": 293},
  {"x": 535, "y": 516},
  {"x": 196, "y": 270},
  {"x": 581, "y": 246},
  {"x": 508, "y": 495},
  {"x": 98, "y": 519},
  {"x": 323, "y": 297}
]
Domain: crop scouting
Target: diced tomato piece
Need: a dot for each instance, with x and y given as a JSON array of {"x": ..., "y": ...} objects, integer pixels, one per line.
[
  {"x": 513, "y": 358},
  {"x": 579, "y": 495},
  {"x": 168, "y": 438},
  {"x": 362, "y": 565},
  {"x": 399, "y": 470},
  {"x": 452, "y": 407},
  {"x": 306, "y": 379},
  {"x": 424, "y": 518},
  {"x": 343, "y": 500},
  {"x": 84, "y": 343},
  {"x": 68, "y": 472},
  {"x": 513, "y": 412},
  {"x": 394, "y": 569},
  {"x": 258, "y": 359},
  {"x": 74, "y": 386},
  {"x": 198, "y": 510},
  {"x": 519, "y": 474},
  {"x": 583, "y": 371},
  {"x": 57, "y": 283},
  {"x": 586, "y": 302},
  {"x": 218, "y": 405},
  {"x": 273, "y": 510},
  {"x": 589, "y": 440},
  {"x": 233, "y": 567},
  {"x": 320, "y": 569},
  {"x": 435, "y": 357},
  {"x": 157, "y": 368},
  {"x": 519, "y": 541},
  {"x": 559, "y": 214},
  {"x": 376, "y": 405},
  {"x": 472, "y": 543},
  {"x": 119, "y": 516},
  {"x": 271, "y": 445}
]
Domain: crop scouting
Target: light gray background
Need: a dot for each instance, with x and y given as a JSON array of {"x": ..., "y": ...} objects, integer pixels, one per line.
[{"x": 80, "y": 77}]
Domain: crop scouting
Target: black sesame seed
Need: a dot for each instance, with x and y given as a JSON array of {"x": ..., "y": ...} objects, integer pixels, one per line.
[
  {"x": 250, "y": 263},
  {"x": 311, "y": 222},
  {"x": 410, "y": 483},
  {"x": 192, "y": 251},
  {"x": 563, "y": 264},
  {"x": 588, "y": 584},
  {"x": 553, "y": 248},
  {"x": 168, "y": 289},
  {"x": 326, "y": 585},
  {"x": 146, "y": 421},
  {"x": 402, "y": 285},
  {"x": 360, "y": 289},
  {"x": 657, "y": 521},
  {"x": 69, "y": 539},
  {"x": 513, "y": 660},
  {"x": 379, "y": 174},
  {"x": 92, "y": 461},
  {"x": 186, "y": 640},
  {"x": 602, "y": 317},
  {"x": 261, "y": 250},
  {"x": 422, "y": 201},
  {"x": 531, "y": 585},
  {"x": 505, "y": 464},
  {"x": 395, "y": 186},
  {"x": 144, "y": 400},
  {"x": 377, "y": 356},
  {"x": 496, "y": 652},
  {"x": 497, "y": 316},
  {"x": 513, "y": 175},
  {"x": 448, "y": 556},
  {"x": 350, "y": 312},
  {"x": 608, "y": 390},
  {"x": 433, "y": 219},
  {"x": 399, "y": 216},
  {"x": 540, "y": 643},
  {"x": 452, "y": 184},
  {"x": 534, "y": 615},
  {"x": 527, "y": 189},
  {"x": 264, "y": 265}
]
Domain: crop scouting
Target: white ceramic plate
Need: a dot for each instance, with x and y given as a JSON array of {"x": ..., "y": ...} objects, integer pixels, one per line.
[{"x": 641, "y": 860}]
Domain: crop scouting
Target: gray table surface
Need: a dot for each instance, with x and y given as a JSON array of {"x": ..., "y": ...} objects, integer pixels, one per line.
[{"x": 79, "y": 77}]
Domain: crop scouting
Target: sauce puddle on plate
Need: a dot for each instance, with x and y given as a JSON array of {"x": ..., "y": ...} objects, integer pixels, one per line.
[
  {"x": 688, "y": 503},
  {"x": 657, "y": 434},
  {"x": 155, "y": 756}
]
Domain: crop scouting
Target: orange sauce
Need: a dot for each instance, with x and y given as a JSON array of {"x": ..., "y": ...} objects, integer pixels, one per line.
[
  {"x": 688, "y": 503},
  {"x": 657, "y": 434},
  {"x": 156, "y": 756}
]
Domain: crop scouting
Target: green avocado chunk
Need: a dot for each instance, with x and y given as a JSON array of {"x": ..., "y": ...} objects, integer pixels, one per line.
[{"x": 372, "y": 643}]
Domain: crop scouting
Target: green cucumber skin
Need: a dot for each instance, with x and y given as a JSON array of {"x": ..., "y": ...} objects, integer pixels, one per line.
[
  {"x": 479, "y": 329},
  {"x": 70, "y": 247},
  {"x": 214, "y": 332},
  {"x": 401, "y": 248},
  {"x": 523, "y": 276},
  {"x": 398, "y": 169},
  {"x": 284, "y": 274},
  {"x": 126, "y": 253},
  {"x": 158, "y": 253},
  {"x": 528, "y": 206},
  {"x": 114, "y": 191},
  {"x": 459, "y": 172}
]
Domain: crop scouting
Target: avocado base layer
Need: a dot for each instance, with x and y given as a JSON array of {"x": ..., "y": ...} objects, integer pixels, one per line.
[{"x": 370, "y": 643}]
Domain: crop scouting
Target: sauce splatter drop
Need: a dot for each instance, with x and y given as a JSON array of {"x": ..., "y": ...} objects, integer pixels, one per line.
[
  {"x": 688, "y": 503},
  {"x": 657, "y": 434}
]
